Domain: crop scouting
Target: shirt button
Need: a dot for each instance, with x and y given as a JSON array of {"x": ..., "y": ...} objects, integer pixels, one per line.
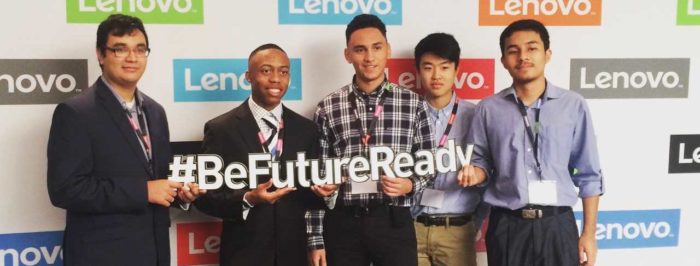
[
  {"x": 529, "y": 171},
  {"x": 371, "y": 108},
  {"x": 528, "y": 149}
]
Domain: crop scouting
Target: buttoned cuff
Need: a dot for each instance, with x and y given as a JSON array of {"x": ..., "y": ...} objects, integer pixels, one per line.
[
  {"x": 315, "y": 242},
  {"x": 245, "y": 207},
  {"x": 487, "y": 177},
  {"x": 416, "y": 185},
  {"x": 330, "y": 200},
  {"x": 590, "y": 189}
]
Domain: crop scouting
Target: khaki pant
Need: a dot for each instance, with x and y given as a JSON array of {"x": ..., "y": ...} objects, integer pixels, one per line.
[{"x": 446, "y": 245}]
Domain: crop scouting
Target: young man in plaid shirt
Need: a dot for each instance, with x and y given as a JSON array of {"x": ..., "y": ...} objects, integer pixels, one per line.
[{"x": 368, "y": 222}]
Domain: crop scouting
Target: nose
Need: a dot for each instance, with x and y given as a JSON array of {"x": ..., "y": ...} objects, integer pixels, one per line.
[
  {"x": 275, "y": 77},
  {"x": 369, "y": 56},
  {"x": 522, "y": 55},
  {"x": 131, "y": 56},
  {"x": 436, "y": 74}
]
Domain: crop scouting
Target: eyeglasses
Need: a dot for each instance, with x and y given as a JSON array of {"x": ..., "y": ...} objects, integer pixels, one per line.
[{"x": 123, "y": 51}]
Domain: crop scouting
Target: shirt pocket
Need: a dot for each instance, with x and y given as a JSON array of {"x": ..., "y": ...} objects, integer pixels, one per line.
[{"x": 556, "y": 138}]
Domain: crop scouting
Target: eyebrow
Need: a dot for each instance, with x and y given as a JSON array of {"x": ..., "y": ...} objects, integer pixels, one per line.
[
  {"x": 271, "y": 66},
  {"x": 527, "y": 43},
  {"x": 363, "y": 46},
  {"x": 124, "y": 44},
  {"x": 443, "y": 62}
]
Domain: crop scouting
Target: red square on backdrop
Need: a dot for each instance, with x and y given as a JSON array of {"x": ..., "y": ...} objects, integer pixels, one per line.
[
  {"x": 474, "y": 81},
  {"x": 198, "y": 243}
]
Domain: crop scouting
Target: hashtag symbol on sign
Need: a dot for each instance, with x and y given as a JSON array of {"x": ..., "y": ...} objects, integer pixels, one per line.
[{"x": 182, "y": 168}]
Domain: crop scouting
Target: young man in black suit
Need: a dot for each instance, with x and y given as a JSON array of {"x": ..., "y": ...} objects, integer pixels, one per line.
[
  {"x": 262, "y": 226},
  {"x": 108, "y": 156}
]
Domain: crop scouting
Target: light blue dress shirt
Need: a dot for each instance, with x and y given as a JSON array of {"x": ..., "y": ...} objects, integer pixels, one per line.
[
  {"x": 458, "y": 200},
  {"x": 566, "y": 148}
]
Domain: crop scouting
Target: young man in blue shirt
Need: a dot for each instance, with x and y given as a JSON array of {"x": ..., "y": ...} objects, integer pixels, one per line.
[
  {"x": 535, "y": 143},
  {"x": 445, "y": 212}
]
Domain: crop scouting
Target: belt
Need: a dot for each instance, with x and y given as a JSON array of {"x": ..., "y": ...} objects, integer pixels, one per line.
[
  {"x": 429, "y": 220},
  {"x": 534, "y": 211}
]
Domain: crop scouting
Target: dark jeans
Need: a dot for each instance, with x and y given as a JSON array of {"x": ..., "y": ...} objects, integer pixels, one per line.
[{"x": 383, "y": 236}]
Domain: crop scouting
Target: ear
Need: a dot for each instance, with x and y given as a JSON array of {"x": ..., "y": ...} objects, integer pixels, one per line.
[
  {"x": 503, "y": 61},
  {"x": 100, "y": 56},
  {"x": 346, "y": 53},
  {"x": 548, "y": 55},
  {"x": 388, "y": 48},
  {"x": 247, "y": 76}
]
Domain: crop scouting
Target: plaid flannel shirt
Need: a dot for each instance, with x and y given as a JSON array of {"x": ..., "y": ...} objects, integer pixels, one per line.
[{"x": 403, "y": 126}]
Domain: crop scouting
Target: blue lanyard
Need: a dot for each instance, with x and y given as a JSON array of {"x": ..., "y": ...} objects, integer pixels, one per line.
[{"x": 533, "y": 134}]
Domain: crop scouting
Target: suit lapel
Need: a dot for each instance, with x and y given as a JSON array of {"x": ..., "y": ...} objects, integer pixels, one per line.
[
  {"x": 248, "y": 128},
  {"x": 151, "y": 122},
  {"x": 116, "y": 112},
  {"x": 290, "y": 134}
]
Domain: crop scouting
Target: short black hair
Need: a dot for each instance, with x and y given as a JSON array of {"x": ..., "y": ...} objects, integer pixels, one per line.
[
  {"x": 118, "y": 25},
  {"x": 525, "y": 25},
  {"x": 441, "y": 44},
  {"x": 364, "y": 21},
  {"x": 265, "y": 47}
]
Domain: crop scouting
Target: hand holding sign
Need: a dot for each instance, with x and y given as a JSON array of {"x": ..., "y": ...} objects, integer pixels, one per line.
[
  {"x": 261, "y": 195},
  {"x": 396, "y": 186}
]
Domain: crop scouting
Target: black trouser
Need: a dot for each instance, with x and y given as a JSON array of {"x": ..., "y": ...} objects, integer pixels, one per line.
[
  {"x": 549, "y": 241},
  {"x": 381, "y": 235}
]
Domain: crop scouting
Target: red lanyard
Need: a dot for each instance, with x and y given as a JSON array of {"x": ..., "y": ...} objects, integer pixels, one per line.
[
  {"x": 137, "y": 124},
  {"x": 450, "y": 121},
  {"x": 379, "y": 108}
]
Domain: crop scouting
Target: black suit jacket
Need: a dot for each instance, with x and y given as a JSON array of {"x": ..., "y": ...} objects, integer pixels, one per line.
[
  {"x": 272, "y": 232},
  {"x": 97, "y": 171}
]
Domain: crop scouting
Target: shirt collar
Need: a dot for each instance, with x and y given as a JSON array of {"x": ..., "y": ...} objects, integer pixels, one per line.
[
  {"x": 259, "y": 112},
  {"x": 137, "y": 95},
  {"x": 378, "y": 91},
  {"x": 550, "y": 92},
  {"x": 446, "y": 111}
]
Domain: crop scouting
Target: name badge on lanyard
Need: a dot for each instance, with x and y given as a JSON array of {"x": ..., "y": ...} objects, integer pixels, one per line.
[
  {"x": 432, "y": 198},
  {"x": 542, "y": 192},
  {"x": 367, "y": 187}
]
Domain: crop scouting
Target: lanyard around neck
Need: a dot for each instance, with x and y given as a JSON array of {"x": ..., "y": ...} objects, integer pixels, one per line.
[
  {"x": 532, "y": 132},
  {"x": 140, "y": 127},
  {"x": 379, "y": 108},
  {"x": 450, "y": 122}
]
